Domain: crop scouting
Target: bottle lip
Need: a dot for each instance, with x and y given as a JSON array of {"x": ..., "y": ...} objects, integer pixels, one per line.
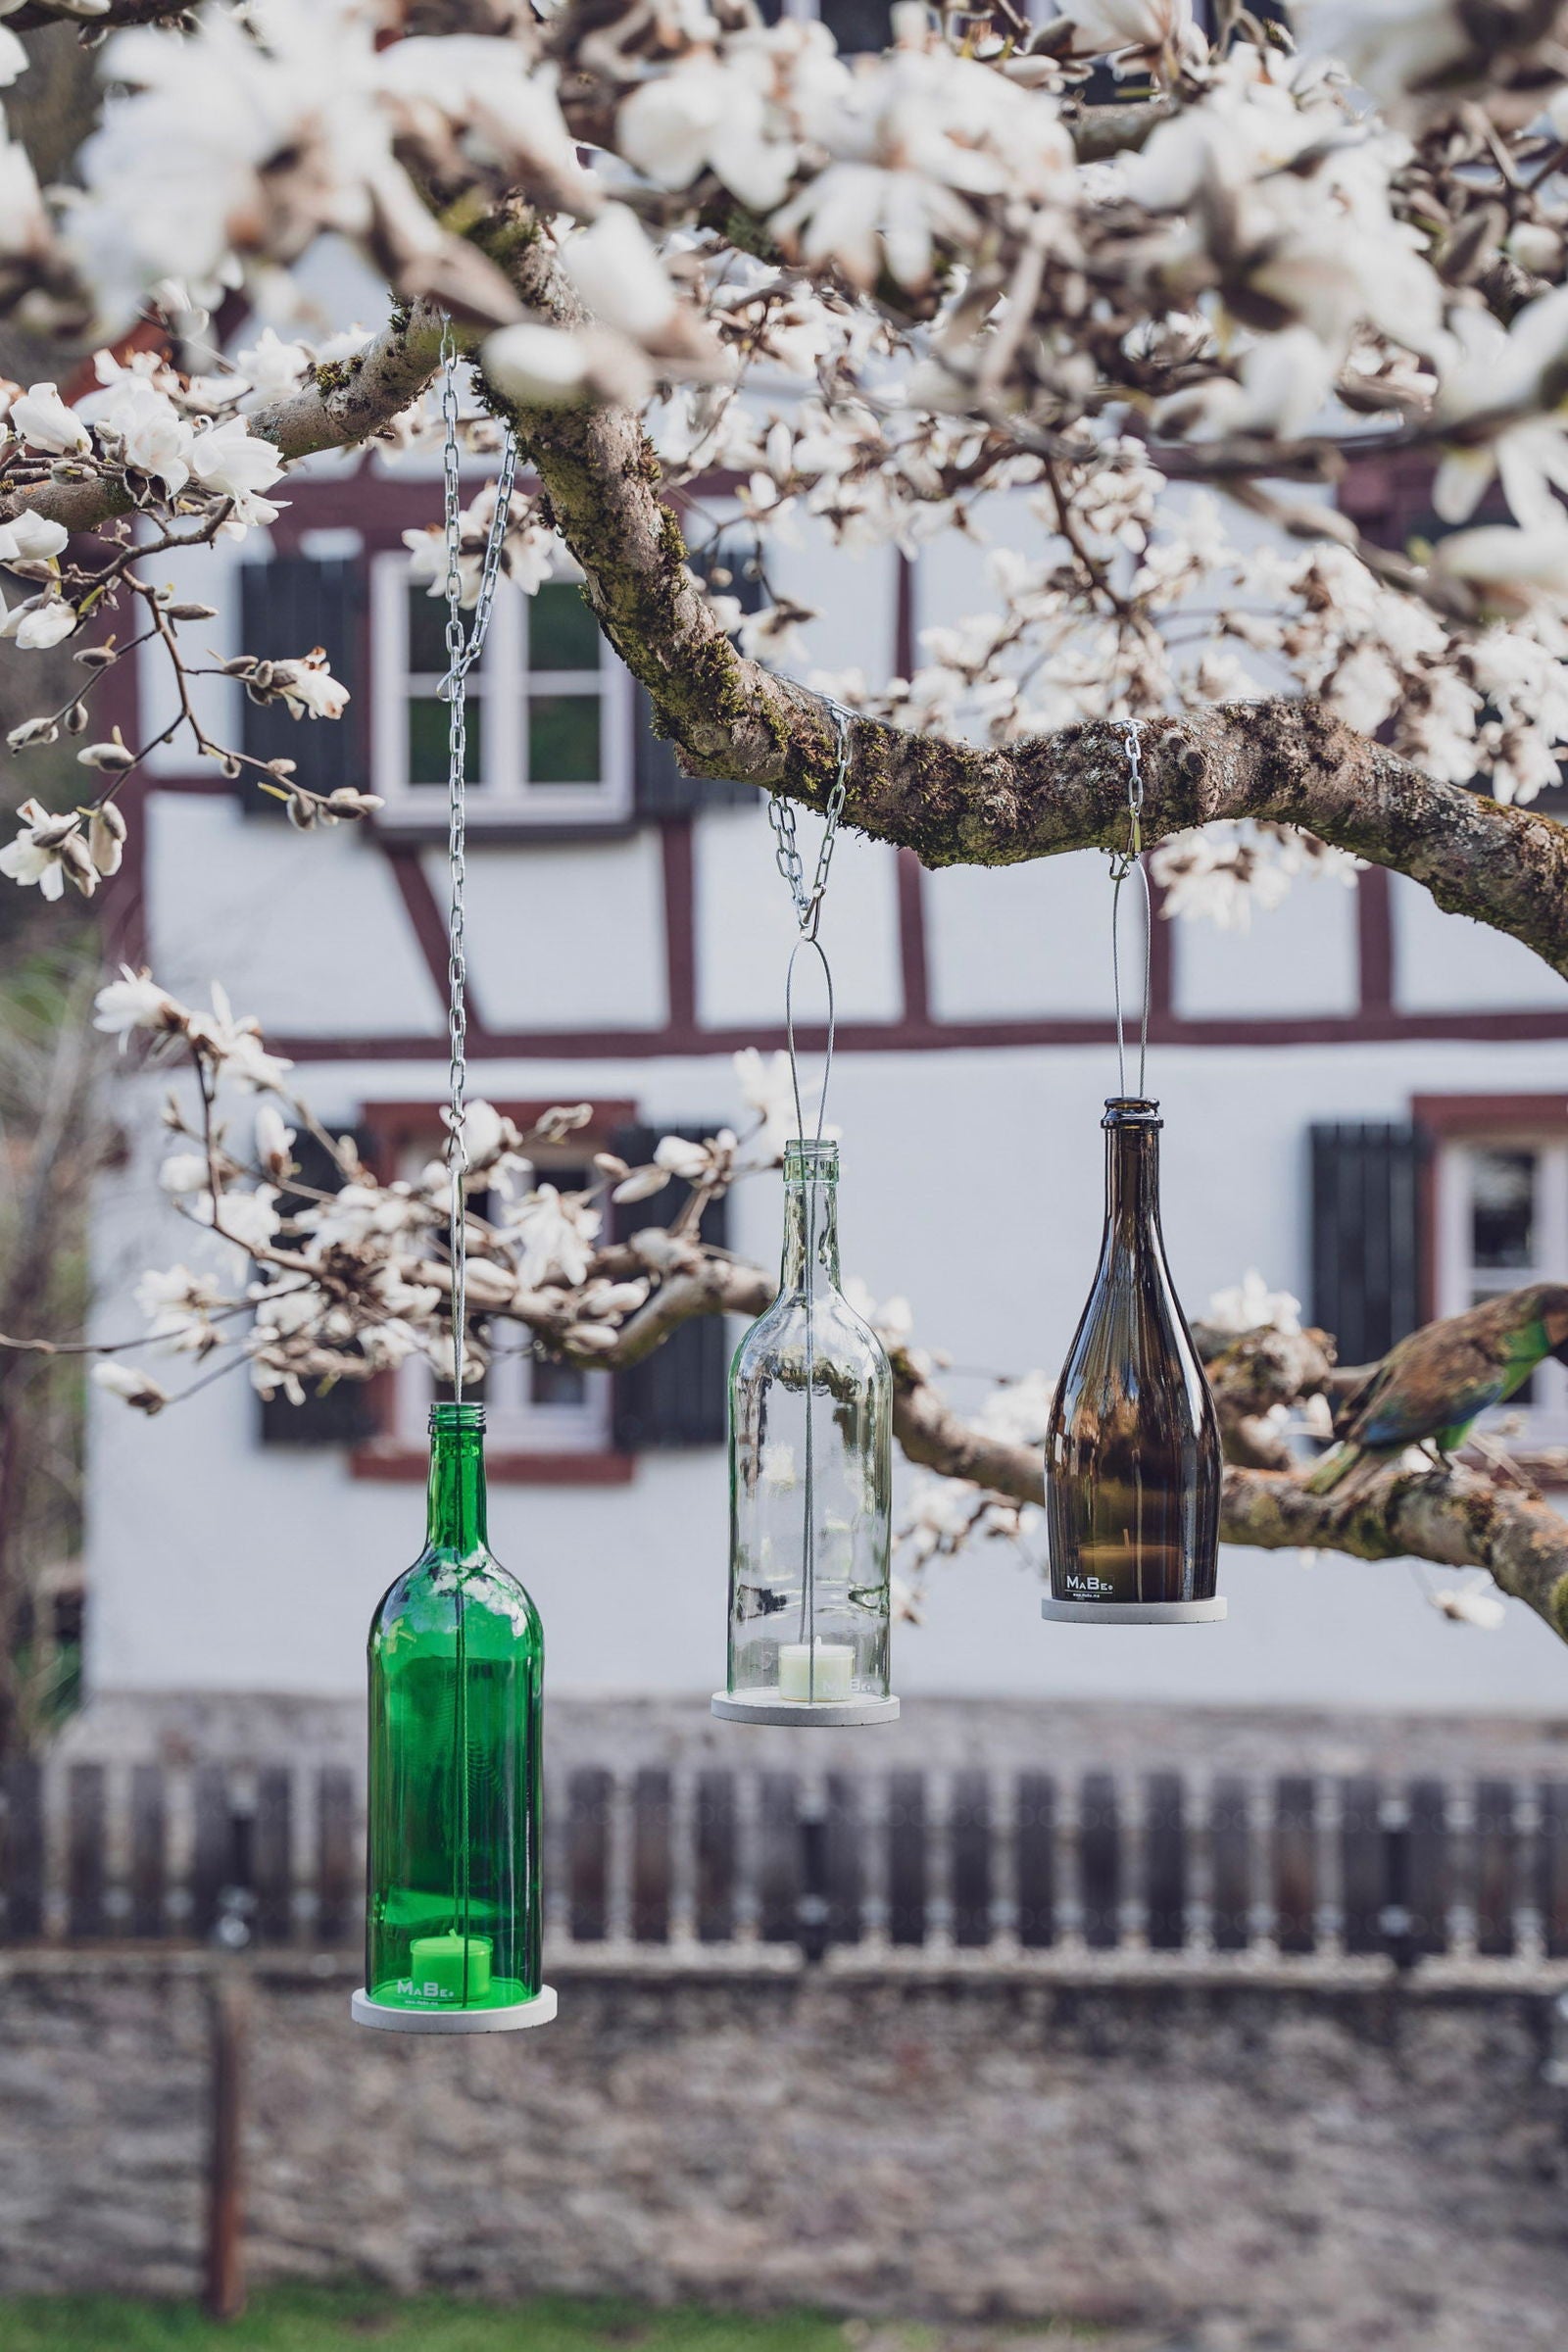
[
  {"x": 1131, "y": 1110},
  {"x": 804, "y": 1156},
  {"x": 447, "y": 1417}
]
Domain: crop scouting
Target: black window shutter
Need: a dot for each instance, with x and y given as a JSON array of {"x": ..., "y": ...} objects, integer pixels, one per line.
[
  {"x": 662, "y": 791},
  {"x": 680, "y": 1395},
  {"x": 1366, "y": 1236},
  {"x": 343, "y": 1414},
  {"x": 287, "y": 607}
]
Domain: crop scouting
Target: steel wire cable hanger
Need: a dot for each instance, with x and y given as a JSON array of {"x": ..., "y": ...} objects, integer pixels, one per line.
[{"x": 1125, "y": 862}]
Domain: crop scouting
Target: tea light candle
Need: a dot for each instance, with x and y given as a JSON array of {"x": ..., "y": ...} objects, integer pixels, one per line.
[
  {"x": 435, "y": 1966},
  {"x": 833, "y": 1677}
]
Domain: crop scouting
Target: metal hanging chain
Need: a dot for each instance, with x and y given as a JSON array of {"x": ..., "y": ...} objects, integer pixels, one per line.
[
  {"x": 464, "y": 647},
  {"x": 1124, "y": 862},
  {"x": 782, "y": 817}
]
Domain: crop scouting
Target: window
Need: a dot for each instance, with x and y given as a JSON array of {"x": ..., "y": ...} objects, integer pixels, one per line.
[
  {"x": 1502, "y": 1222},
  {"x": 549, "y": 719},
  {"x": 854, "y": 24}
]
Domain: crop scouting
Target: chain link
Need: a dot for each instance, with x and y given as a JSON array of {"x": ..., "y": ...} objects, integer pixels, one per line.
[
  {"x": 464, "y": 647},
  {"x": 786, "y": 845},
  {"x": 1123, "y": 861}
]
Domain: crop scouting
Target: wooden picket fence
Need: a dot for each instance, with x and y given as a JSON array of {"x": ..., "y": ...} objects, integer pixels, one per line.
[{"x": 964, "y": 1862}]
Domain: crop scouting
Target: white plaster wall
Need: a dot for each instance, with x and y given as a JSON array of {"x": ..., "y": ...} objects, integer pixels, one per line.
[
  {"x": 971, "y": 1181},
  {"x": 1298, "y": 958},
  {"x": 307, "y": 931},
  {"x": 1445, "y": 963},
  {"x": 852, "y": 594},
  {"x": 1020, "y": 942},
  {"x": 746, "y": 927},
  {"x": 565, "y": 935}
]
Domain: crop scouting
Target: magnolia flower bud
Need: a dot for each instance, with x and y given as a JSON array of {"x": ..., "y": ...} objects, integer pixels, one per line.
[
  {"x": 32, "y": 730},
  {"x": 105, "y": 835},
  {"x": 191, "y": 611},
  {"x": 76, "y": 860},
  {"x": 137, "y": 1388},
  {"x": 95, "y": 656},
  {"x": 76, "y": 719},
  {"x": 115, "y": 755}
]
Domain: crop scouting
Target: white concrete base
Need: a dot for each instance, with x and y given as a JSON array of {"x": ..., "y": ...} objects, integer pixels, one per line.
[
  {"x": 509, "y": 2020},
  {"x": 825, "y": 1714},
  {"x": 1134, "y": 1612}
]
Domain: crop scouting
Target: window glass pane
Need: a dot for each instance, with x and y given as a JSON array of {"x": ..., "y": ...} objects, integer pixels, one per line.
[
  {"x": 564, "y": 739},
  {"x": 428, "y": 633},
  {"x": 1503, "y": 1208},
  {"x": 557, "y": 1384},
  {"x": 857, "y": 23},
  {"x": 428, "y": 740},
  {"x": 562, "y": 634}
]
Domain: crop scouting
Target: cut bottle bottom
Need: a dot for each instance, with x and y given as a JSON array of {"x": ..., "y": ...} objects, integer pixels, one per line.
[
  {"x": 1135, "y": 1612},
  {"x": 509, "y": 2017},
  {"x": 763, "y": 1706}
]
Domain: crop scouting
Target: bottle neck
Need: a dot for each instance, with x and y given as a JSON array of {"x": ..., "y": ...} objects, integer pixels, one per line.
[
  {"x": 1132, "y": 1187},
  {"x": 810, "y": 1236},
  {"x": 456, "y": 1519}
]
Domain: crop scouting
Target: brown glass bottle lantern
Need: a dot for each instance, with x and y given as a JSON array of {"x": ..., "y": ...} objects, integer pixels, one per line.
[{"x": 1133, "y": 1452}]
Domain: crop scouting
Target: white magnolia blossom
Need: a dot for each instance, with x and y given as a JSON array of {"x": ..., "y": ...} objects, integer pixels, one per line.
[
  {"x": 41, "y": 419},
  {"x": 43, "y": 621},
  {"x": 180, "y": 1306},
  {"x": 1264, "y": 267},
  {"x": 556, "y": 1231},
  {"x": 1476, "y": 1601},
  {"x": 233, "y": 464},
  {"x": 309, "y": 687},
  {"x": 249, "y": 1218},
  {"x": 135, "y": 1001},
  {"x": 30, "y": 538},
  {"x": 1250, "y": 1305},
  {"x": 892, "y": 1319},
  {"x": 40, "y": 852}
]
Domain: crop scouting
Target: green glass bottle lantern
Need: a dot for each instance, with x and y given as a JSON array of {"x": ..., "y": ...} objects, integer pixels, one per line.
[
  {"x": 1133, "y": 1463},
  {"x": 456, "y": 1658},
  {"x": 811, "y": 1434}
]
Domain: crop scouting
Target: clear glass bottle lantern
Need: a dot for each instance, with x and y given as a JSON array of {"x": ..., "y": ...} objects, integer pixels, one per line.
[
  {"x": 456, "y": 1658},
  {"x": 1133, "y": 1463},
  {"x": 810, "y": 1441}
]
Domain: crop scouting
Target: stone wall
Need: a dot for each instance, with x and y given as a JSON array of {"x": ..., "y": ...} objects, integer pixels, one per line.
[
  {"x": 1306, "y": 2161},
  {"x": 1060, "y": 1735}
]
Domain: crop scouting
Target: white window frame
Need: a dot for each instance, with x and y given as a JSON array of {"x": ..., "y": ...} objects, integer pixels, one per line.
[
  {"x": 1459, "y": 1280},
  {"x": 503, "y": 684},
  {"x": 515, "y": 1423}
]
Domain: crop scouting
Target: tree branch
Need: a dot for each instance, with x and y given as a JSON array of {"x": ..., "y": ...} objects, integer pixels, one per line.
[
  {"x": 344, "y": 404},
  {"x": 1281, "y": 760},
  {"x": 1452, "y": 1516},
  {"x": 955, "y": 804}
]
